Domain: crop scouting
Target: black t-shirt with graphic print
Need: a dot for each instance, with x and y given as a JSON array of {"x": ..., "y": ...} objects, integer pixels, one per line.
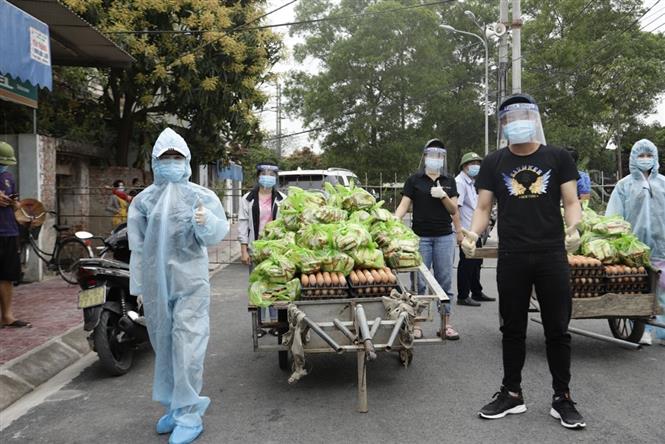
[
  {"x": 528, "y": 192},
  {"x": 430, "y": 217}
]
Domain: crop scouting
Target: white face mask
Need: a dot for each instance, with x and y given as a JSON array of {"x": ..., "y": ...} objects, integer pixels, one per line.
[{"x": 473, "y": 170}]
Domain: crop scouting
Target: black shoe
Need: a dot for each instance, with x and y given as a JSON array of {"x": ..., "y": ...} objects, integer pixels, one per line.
[
  {"x": 260, "y": 332},
  {"x": 468, "y": 301},
  {"x": 563, "y": 409},
  {"x": 504, "y": 404},
  {"x": 483, "y": 297}
]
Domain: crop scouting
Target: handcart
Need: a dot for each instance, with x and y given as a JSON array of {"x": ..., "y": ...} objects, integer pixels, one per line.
[
  {"x": 360, "y": 325},
  {"x": 627, "y": 313}
]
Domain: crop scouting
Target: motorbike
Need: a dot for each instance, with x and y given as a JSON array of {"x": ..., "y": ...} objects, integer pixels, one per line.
[{"x": 112, "y": 315}]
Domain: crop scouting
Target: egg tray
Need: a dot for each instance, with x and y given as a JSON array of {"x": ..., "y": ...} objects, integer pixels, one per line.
[
  {"x": 627, "y": 283},
  {"x": 587, "y": 271},
  {"x": 371, "y": 290},
  {"x": 324, "y": 292}
]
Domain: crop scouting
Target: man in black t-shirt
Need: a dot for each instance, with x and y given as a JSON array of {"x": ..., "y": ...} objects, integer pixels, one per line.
[
  {"x": 434, "y": 198},
  {"x": 529, "y": 180}
]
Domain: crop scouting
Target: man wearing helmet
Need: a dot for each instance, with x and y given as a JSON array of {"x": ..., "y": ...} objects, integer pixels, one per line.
[
  {"x": 434, "y": 198},
  {"x": 10, "y": 264},
  {"x": 530, "y": 180}
]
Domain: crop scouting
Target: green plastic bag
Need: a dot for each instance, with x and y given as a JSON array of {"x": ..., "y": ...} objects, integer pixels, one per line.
[
  {"x": 307, "y": 261},
  {"x": 402, "y": 259},
  {"x": 277, "y": 269},
  {"x": 316, "y": 236},
  {"x": 333, "y": 260},
  {"x": 274, "y": 230},
  {"x": 361, "y": 217},
  {"x": 368, "y": 257},
  {"x": 350, "y": 236},
  {"x": 262, "y": 294},
  {"x": 263, "y": 249}
]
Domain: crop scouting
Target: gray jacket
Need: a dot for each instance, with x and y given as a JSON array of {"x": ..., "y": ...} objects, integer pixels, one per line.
[{"x": 248, "y": 216}]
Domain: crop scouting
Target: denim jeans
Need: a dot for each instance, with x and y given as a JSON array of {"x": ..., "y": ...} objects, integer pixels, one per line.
[{"x": 438, "y": 253}]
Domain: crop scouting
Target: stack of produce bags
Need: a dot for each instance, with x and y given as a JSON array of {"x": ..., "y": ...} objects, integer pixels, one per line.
[
  {"x": 610, "y": 240},
  {"x": 343, "y": 230}
]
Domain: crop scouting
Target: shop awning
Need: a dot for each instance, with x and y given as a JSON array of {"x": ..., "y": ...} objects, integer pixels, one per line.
[
  {"x": 25, "y": 50},
  {"x": 74, "y": 42}
]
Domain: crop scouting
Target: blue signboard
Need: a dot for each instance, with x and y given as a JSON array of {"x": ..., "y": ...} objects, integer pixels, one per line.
[{"x": 25, "y": 49}]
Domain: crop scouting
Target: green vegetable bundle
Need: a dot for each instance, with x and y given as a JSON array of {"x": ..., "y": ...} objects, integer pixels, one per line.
[
  {"x": 307, "y": 261},
  {"x": 263, "y": 249},
  {"x": 361, "y": 217},
  {"x": 316, "y": 236},
  {"x": 349, "y": 236},
  {"x": 274, "y": 230},
  {"x": 598, "y": 247},
  {"x": 403, "y": 259},
  {"x": 263, "y": 294},
  {"x": 368, "y": 257},
  {"x": 632, "y": 251},
  {"x": 332, "y": 260},
  {"x": 277, "y": 269}
]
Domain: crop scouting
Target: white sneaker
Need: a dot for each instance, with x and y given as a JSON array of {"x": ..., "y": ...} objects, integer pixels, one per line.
[{"x": 646, "y": 338}]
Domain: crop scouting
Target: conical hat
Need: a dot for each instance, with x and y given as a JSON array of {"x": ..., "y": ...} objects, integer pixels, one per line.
[{"x": 30, "y": 211}]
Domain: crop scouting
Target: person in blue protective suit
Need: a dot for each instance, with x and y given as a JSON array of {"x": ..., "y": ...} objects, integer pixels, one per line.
[
  {"x": 640, "y": 199},
  {"x": 170, "y": 224}
]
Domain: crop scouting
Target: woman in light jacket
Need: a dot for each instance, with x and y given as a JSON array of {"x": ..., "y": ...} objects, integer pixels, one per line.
[{"x": 257, "y": 208}]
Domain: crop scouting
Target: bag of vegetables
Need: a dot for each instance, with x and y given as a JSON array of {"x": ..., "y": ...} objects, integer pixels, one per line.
[
  {"x": 263, "y": 249},
  {"x": 333, "y": 260},
  {"x": 316, "y": 236},
  {"x": 277, "y": 269},
  {"x": 274, "y": 230},
  {"x": 632, "y": 251},
  {"x": 349, "y": 236},
  {"x": 354, "y": 198},
  {"x": 361, "y": 217},
  {"x": 403, "y": 259},
  {"x": 368, "y": 257},
  {"x": 596, "y": 246},
  {"x": 262, "y": 294},
  {"x": 307, "y": 261}
]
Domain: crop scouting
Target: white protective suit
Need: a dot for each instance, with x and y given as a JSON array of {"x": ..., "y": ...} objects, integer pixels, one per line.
[
  {"x": 169, "y": 267},
  {"x": 641, "y": 201}
]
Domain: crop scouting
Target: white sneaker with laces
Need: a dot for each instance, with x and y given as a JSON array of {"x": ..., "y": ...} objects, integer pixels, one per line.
[{"x": 646, "y": 338}]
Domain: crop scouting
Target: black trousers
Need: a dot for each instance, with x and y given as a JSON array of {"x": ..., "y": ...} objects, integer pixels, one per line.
[
  {"x": 468, "y": 276},
  {"x": 516, "y": 275}
]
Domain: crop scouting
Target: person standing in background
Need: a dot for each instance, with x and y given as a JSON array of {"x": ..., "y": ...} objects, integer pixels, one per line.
[{"x": 468, "y": 269}]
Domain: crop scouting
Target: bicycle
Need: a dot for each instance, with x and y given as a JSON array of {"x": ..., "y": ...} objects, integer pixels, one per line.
[{"x": 67, "y": 249}]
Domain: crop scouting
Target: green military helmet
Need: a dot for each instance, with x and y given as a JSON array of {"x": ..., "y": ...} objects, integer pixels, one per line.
[
  {"x": 469, "y": 157},
  {"x": 7, "y": 156}
]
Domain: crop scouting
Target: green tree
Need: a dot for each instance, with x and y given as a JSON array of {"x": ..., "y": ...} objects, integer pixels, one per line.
[
  {"x": 593, "y": 70},
  {"x": 390, "y": 79},
  {"x": 304, "y": 158}
]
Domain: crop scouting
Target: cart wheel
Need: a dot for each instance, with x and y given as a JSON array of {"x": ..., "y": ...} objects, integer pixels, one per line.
[
  {"x": 627, "y": 329},
  {"x": 405, "y": 356},
  {"x": 283, "y": 356}
]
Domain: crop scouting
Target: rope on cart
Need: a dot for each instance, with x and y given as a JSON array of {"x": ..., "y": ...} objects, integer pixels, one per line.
[
  {"x": 398, "y": 303},
  {"x": 294, "y": 339}
]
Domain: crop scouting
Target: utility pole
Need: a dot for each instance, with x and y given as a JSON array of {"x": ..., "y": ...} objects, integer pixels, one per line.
[
  {"x": 503, "y": 64},
  {"x": 517, "y": 47},
  {"x": 278, "y": 127}
]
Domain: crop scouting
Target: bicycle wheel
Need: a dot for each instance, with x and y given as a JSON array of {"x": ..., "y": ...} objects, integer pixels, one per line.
[{"x": 68, "y": 256}]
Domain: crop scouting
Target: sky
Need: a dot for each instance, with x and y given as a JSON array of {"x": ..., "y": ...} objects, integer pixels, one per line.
[{"x": 654, "y": 20}]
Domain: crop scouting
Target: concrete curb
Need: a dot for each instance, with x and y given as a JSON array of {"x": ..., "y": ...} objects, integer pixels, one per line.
[{"x": 26, "y": 372}]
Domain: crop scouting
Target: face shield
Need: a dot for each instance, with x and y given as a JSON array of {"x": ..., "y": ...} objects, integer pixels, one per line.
[
  {"x": 434, "y": 161},
  {"x": 267, "y": 175},
  {"x": 520, "y": 123}
]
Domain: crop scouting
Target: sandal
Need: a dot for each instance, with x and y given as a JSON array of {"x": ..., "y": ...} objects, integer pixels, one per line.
[
  {"x": 450, "y": 332},
  {"x": 18, "y": 324},
  {"x": 417, "y": 333}
]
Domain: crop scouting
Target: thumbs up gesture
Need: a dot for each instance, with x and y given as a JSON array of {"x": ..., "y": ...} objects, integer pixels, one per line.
[
  {"x": 437, "y": 192},
  {"x": 200, "y": 214}
]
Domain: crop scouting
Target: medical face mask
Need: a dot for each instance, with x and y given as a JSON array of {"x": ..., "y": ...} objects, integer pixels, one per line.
[
  {"x": 433, "y": 164},
  {"x": 645, "y": 163},
  {"x": 519, "y": 131},
  {"x": 171, "y": 169},
  {"x": 267, "y": 181},
  {"x": 473, "y": 170},
  {"x": 121, "y": 188},
  {"x": 3, "y": 168}
]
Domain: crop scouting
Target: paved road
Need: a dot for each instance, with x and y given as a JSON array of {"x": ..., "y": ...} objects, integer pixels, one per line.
[{"x": 620, "y": 392}]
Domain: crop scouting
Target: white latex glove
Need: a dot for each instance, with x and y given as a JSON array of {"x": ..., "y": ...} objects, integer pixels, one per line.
[
  {"x": 200, "y": 215},
  {"x": 139, "y": 301},
  {"x": 572, "y": 240},
  {"x": 469, "y": 243},
  {"x": 437, "y": 192}
]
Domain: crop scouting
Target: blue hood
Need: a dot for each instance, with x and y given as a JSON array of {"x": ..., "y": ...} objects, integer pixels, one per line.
[
  {"x": 170, "y": 140},
  {"x": 640, "y": 147}
]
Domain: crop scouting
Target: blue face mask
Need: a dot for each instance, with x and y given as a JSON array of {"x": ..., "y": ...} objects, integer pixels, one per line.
[
  {"x": 473, "y": 170},
  {"x": 520, "y": 131},
  {"x": 645, "y": 163},
  {"x": 267, "y": 181},
  {"x": 432, "y": 164},
  {"x": 3, "y": 168},
  {"x": 171, "y": 170}
]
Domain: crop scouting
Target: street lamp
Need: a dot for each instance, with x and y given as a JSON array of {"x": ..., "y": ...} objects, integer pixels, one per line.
[{"x": 484, "y": 42}]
